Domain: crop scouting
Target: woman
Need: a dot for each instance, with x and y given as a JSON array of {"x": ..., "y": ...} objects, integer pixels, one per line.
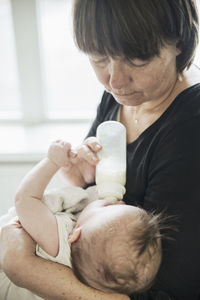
[{"x": 142, "y": 53}]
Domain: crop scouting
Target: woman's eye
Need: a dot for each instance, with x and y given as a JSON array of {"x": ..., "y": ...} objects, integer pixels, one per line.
[
  {"x": 138, "y": 63},
  {"x": 99, "y": 61}
]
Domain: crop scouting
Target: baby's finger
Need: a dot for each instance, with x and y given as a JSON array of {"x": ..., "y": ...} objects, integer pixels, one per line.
[{"x": 93, "y": 144}]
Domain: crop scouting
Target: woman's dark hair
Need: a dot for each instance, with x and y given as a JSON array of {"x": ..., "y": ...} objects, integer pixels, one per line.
[{"x": 136, "y": 28}]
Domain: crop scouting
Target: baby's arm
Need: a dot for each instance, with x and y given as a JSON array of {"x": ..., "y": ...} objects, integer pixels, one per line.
[{"x": 33, "y": 214}]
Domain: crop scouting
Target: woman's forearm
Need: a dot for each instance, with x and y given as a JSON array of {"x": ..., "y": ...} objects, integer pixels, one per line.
[{"x": 54, "y": 281}]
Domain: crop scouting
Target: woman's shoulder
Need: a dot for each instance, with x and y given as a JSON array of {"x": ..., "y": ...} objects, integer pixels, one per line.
[
  {"x": 187, "y": 103},
  {"x": 183, "y": 116}
]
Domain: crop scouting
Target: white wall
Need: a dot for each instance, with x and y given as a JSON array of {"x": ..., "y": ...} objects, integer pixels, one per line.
[{"x": 10, "y": 177}]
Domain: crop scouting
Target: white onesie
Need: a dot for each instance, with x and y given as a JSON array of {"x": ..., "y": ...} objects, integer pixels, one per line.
[{"x": 66, "y": 204}]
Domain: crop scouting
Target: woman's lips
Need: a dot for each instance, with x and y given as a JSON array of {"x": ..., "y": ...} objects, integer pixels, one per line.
[{"x": 125, "y": 94}]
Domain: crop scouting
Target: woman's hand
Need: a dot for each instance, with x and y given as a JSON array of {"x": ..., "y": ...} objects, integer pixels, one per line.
[
  {"x": 83, "y": 163},
  {"x": 15, "y": 245}
]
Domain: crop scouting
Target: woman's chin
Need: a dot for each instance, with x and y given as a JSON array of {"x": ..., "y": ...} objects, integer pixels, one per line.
[{"x": 133, "y": 99}]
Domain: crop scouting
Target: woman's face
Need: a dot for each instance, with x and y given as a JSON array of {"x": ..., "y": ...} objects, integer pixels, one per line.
[{"x": 135, "y": 82}]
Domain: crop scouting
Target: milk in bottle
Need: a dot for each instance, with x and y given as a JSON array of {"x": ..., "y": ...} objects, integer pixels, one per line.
[{"x": 111, "y": 169}]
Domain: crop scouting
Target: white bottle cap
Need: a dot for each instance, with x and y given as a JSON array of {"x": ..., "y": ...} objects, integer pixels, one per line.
[{"x": 112, "y": 190}]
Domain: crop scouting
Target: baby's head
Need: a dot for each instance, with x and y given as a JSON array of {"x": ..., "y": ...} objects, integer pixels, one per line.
[{"x": 118, "y": 248}]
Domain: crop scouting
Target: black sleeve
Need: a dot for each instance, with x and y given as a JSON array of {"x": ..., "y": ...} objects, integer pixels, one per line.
[
  {"x": 98, "y": 118},
  {"x": 174, "y": 186},
  {"x": 106, "y": 110},
  {"x": 95, "y": 123}
]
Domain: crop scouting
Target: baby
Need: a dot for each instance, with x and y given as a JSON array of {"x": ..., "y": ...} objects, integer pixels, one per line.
[{"x": 110, "y": 246}]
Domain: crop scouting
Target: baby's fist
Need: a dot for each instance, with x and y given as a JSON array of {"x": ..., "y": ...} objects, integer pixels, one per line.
[{"x": 58, "y": 152}]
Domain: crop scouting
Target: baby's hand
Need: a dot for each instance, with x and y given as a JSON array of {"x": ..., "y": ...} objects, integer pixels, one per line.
[{"x": 59, "y": 152}]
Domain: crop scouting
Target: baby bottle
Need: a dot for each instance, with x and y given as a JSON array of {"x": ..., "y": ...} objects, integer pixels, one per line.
[{"x": 111, "y": 169}]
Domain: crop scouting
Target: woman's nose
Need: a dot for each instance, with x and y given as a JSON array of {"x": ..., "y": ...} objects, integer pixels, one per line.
[{"x": 119, "y": 75}]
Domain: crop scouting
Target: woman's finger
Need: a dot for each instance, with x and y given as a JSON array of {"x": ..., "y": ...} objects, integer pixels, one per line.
[
  {"x": 93, "y": 144},
  {"x": 87, "y": 154}
]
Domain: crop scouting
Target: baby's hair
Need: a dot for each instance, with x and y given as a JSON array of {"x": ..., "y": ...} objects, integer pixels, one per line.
[{"x": 124, "y": 256}]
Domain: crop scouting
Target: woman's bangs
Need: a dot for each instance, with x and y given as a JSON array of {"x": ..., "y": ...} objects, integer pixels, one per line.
[{"x": 101, "y": 29}]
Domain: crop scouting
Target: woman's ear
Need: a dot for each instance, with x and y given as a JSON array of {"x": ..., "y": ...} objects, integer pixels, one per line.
[
  {"x": 75, "y": 235},
  {"x": 178, "y": 49}
]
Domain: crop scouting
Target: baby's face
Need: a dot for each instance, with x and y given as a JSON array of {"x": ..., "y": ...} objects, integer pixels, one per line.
[{"x": 100, "y": 211}]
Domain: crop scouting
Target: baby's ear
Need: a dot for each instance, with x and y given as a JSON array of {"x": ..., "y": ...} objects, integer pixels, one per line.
[{"x": 75, "y": 235}]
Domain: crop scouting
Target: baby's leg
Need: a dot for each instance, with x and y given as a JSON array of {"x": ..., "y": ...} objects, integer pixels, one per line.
[{"x": 5, "y": 219}]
